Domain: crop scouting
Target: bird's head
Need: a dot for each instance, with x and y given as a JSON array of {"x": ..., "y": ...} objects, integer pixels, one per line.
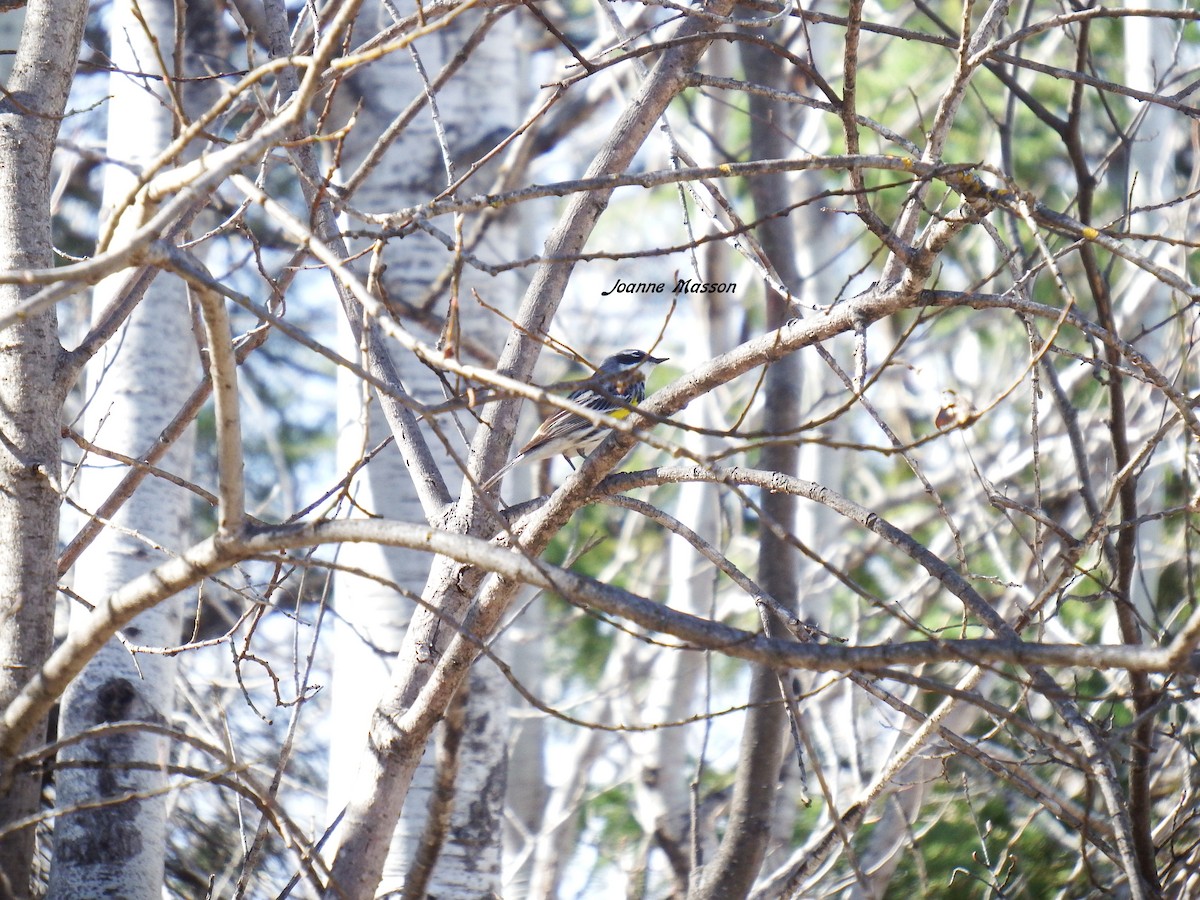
[{"x": 628, "y": 361}]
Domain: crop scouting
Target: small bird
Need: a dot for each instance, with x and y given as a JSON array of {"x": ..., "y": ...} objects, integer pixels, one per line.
[{"x": 620, "y": 384}]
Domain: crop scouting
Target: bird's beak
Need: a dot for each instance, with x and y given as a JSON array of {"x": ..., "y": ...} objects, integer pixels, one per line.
[{"x": 656, "y": 359}]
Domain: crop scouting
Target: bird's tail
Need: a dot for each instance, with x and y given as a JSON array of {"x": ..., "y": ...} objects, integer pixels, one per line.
[{"x": 500, "y": 473}]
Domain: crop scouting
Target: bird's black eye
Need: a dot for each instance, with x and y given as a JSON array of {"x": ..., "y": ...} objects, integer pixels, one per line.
[{"x": 630, "y": 357}]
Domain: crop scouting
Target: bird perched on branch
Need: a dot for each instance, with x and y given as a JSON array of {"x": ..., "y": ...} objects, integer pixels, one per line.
[{"x": 619, "y": 384}]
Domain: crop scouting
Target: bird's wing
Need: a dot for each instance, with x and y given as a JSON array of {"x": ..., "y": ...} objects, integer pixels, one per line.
[
  {"x": 556, "y": 426},
  {"x": 564, "y": 421}
]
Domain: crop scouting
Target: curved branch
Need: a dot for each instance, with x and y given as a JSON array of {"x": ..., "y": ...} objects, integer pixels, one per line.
[{"x": 214, "y": 555}]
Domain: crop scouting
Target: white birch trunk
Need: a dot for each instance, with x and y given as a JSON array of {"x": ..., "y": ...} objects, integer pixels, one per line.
[
  {"x": 663, "y": 756},
  {"x": 134, "y": 385},
  {"x": 1153, "y": 62},
  {"x": 527, "y": 793},
  {"x": 372, "y": 616},
  {"x": 553, "y": 843}
]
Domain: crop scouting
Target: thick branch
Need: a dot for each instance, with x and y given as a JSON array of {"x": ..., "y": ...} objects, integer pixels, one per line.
[{"x": 222, "y": 372}]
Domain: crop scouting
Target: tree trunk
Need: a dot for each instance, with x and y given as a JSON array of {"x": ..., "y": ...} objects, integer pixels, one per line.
[
  {"x": 474, "y": 105},
  {"x": 30, "y": 403},
  {"x": 386, "y": 768},
  {"x": 662, "y": 789},
  {"x": 115, "y": 844}
]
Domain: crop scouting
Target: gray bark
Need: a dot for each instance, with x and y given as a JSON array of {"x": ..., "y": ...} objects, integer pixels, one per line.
[{"x": 29, "y": 402}]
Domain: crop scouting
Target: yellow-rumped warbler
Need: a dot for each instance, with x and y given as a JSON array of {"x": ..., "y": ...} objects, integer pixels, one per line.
[{"x": 620, "y": 383}]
